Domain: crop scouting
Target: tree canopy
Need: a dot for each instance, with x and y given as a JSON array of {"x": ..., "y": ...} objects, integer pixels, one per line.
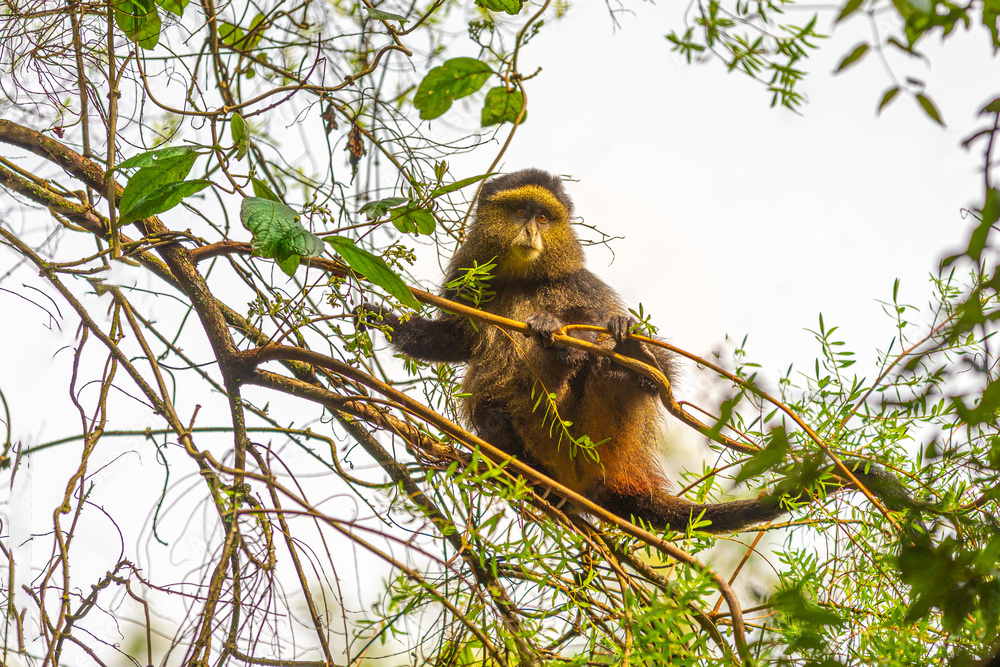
[{"x": 229, "y": 470}]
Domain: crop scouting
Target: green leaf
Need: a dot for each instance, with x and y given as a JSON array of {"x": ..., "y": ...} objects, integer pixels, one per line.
[
  {"x": 374, "y": 269},
  {"x": 162, "y": 199},
  {"x": 851, "y": 7},
  {"x": 455, "y": 79},
  {"x": 929, "y": 108},
  {"x": 413, "y": 220},
  {"x": 230, "y": 33},
  {"x": 888, "y": 97},
  {"x": 139, "y": 20},
  {"x": 799, "y": 602},
  {"x": 991, "y": 20},
  {"x": 376, "y": 209},
  {"x": 457, "y": 185},
  {"x": 162, "y": 172},
  {"x": 150, "y": 157},
  {"x": 990, "y": 214},
  {"x": 238, "y": 128},
  {"x": 289, "y": 264},
  {"x": 174, "y": 6},
  {"x": 254, "y": 35},
  {"x": 379, "y": 15},
  {"x": 911, "y": 8},
  {"x": 261, "y": 190},
  {"x": 853, "y": 57},
  {"x": 773, "y": 454},
  {"x": 503, "y": 106},
  {"x": 992, "y": 107},
  {"x": 277, "y": 233},
  {"x": 512, "y": 7}
]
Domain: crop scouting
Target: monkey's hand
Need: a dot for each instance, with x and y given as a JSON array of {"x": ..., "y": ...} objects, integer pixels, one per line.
[
  {"x": 545, "y": 326},
  {"x": 619, "y": 327},
  {"x": 370, "y": 314}
]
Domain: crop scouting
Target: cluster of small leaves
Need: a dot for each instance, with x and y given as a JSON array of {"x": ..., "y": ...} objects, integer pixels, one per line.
[
  {"x": 473, "y": 283},
  {"x": 919, "y": 18},
  {"x": 559, "y": 428},
  {"x": 747, "y": 39}
]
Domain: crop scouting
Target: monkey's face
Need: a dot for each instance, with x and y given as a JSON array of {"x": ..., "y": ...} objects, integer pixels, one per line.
[
  {"x": 531, "y": 226},
  {"x": 532, "y": 223}
]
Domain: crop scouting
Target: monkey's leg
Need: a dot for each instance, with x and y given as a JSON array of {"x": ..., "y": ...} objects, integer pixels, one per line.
[{"x": 497, "y": 428}]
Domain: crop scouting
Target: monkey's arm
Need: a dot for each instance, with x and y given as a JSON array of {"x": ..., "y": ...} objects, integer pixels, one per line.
[{"x": 448, "y": 339}]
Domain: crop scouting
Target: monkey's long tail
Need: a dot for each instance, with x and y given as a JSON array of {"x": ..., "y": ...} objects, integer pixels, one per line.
[{"x": 662, "y": 510}]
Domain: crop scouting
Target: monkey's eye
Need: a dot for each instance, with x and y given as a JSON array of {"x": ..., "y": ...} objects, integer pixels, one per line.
[
  {"x": 542, "y": 217},
  {"x": 522, "y": 212}
]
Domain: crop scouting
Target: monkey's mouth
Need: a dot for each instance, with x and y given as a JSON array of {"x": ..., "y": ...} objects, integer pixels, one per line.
[{"x": 524, "y": 254}]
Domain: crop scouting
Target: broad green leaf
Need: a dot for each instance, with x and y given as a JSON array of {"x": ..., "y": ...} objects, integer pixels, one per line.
[
  {"x": 277, "y": 233},
  {"x": 503, "y": 106},
  {"x": 929, "y": 108},
  {"x": 455, "y": 79},
  {"x": 888, "y": 97},
  {"x": 374, "y": 269},
  {"x": 413, "y": 220},
  {"x": 289, "y": 264},
  {"x": 512, "y": 7},
  {"x": 457, "y": 185},
  {"x": 139, "y": 20},
  {"x": 254, "y": 34},
  {"x": 851, "y": 7},
  {"x": 379, "y": 15},
  {"x": 230, "y": 34},
  {"x": 853, "y": 57},
  {"x": 238, "y": 128},
  {"x": 149, "y": 157},
  {"x": 174, "y": 6},
  {"x": 376, "y": 209},
  {"x": 162, "y": 172},
  {"x": 162, "y": 199},
  {"x": 261, "y": 190}
]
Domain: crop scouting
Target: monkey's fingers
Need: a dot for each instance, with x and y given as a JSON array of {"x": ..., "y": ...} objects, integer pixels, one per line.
[
  {"x": 369, "y": 312},
  {"x": 545, "y": 326},
  {"x": 619, "y": 327}
]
